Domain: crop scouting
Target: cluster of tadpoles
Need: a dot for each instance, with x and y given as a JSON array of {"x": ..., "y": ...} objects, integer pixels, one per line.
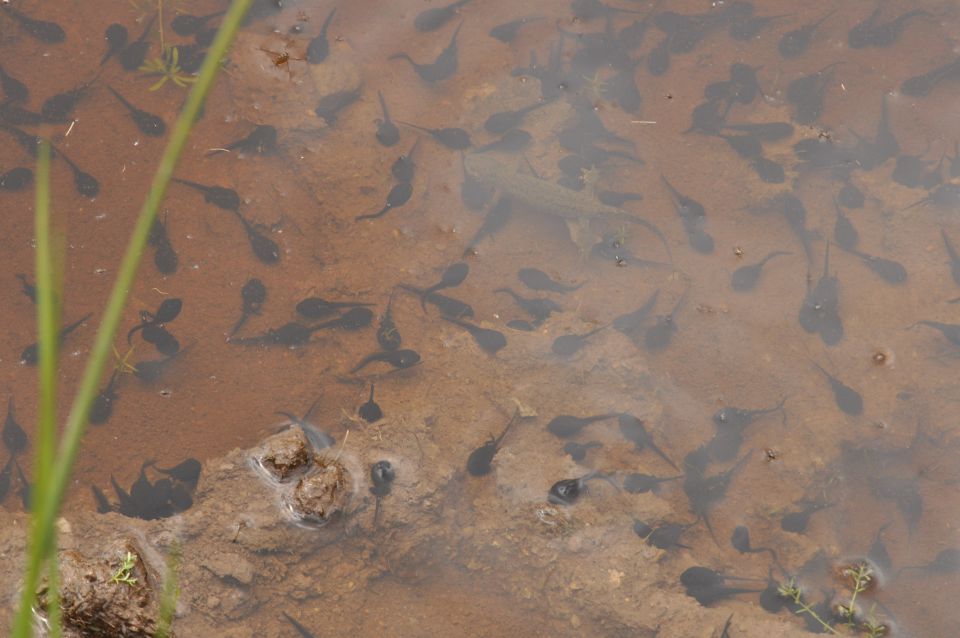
[
  {"x": 153, "y": 330},
  {"x": 160, "y": 499},
  {"x": 16, "y": 441},
  {"x": 357, "y": 316}
]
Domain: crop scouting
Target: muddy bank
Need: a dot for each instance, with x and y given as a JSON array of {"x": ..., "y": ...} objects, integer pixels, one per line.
[{"x": 243, "y": 554}]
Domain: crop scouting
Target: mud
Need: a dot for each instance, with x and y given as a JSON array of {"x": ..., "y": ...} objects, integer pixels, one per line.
[{"x": 241, "y": 552}]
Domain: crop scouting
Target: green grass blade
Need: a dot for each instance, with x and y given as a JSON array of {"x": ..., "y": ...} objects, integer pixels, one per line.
[
  {"x": 48, "y": 504},
  {"x": 48, "y": 321},
  {"x": 170, "y": 594}
]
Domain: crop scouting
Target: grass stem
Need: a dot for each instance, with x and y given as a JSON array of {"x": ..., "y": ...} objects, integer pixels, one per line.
[{"x": 54, "y": 482}]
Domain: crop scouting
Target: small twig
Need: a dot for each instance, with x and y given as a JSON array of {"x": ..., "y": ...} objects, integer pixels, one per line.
[{"x": 343, "y": 444}]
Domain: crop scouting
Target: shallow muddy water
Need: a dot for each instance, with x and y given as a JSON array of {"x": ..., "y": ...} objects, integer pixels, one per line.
[{"x": 634, "y": 152}]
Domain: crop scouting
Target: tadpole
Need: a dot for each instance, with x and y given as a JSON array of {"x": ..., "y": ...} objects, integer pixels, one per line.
[
  {"x": 567, "y": 425},
  {"x": 489, "y": 340},
  {"x": 478, "y": 463},
  {"x": 370, "y": 411},
  {"x": 567, "y": 345}
]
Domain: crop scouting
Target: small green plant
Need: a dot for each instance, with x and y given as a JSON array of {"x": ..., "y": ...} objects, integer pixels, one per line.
[
  {"x": 167, "y": 67},
  {"x": 125, "y": 573},
  {"x": 792, "y": 592},
  {"x": 861, "y": 577},
  {"x": 871, "y": 627}
]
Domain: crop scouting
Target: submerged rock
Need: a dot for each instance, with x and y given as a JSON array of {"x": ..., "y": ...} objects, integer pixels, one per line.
[
  {"x": 322, "y": 494},
  {"x": 284, "y": 454}
]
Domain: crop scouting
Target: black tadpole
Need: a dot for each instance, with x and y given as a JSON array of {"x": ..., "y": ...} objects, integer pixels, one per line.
[
  {"x": 187, "y": 25},
  {"x": 448, "y": 306},
  {"x": 49, "y": 32},
  {"x": 578, "y": 451},
  {"x": 746, "y": 277},
  {"x": 455, "y": 139},
  {"x": 796, "y": 522},
  {"x": 14, "y": 437},
  {"x": 794, "y": 43},
  {"x": 58, "y": 108},
  {"x": 567, "y": 425},
  {"x": 148, "y": 123},
  {"x": 507, "y": 31},
  {"x": 540, "y": 308},
  {"x": 404, "y": 168},
  {"x": 489, "y": 340},
  {"x": 83, "y": 182},
  {"x": 638, "y": 483},
  {"x": 253, "y": 294},
  {"x": 398, "y": 196},
  {"x": 434, "y": 18},
  {"x": 353, "y": 319},
  {"x": 478, "y": 463},
  {"x": 452, "y": 277},
  {"x": 28, "y": 289},
  {"x": 370, "y": 411},
  {"x": 740, "y": 540},
  {"x": 387, "y": 132},
  {"x": 441, "y": 68},
  {"x": 131, "y": 57},
  {"x": 846, "y": 398},
  {"x": 16, "y": 179},
  {"x": 319, "y": 47},
  {"x": 13, "y": 89},
  {"x": 319, "y": 308},
  {"x": 382, "y": 476},
  {"x": 116, "y": 36},
  {"x": 219, "y": 196},
  {"x": 187, "y": 471},
  {"x": 387, "y": 334},
  {"x": 264, "y": 248},
  {"x": 399, "y": 359},
  {"x": 31, "y": 353},
  {"x": 262, "y": 139},
  {"x": 949, "y": 330},
  {"x": 567, "y": 345},
  {"x": 165, "y": 258},
  {"x": 567, "y": 491},
  {"x": 634, "y": 430}
]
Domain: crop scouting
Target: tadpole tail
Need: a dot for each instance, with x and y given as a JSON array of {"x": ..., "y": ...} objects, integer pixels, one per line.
[
  {"x": 103, "y": 503},
  {"x": 662, "y": 455},
  {"x": 236, "y": 326},
  {"x": 706, "y": 521},
  {"x": 376, "y": 513},
  {"x": 249, "y": 341},
  {"x": 383, "y": 211},
  {"x": 426, "y": 293},
  {"x": 367, "y": 360},
  {"x": 656, "y": 231},
  {"x": 300, "y": 628}
]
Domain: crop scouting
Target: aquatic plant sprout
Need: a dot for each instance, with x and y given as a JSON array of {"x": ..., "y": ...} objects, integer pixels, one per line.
[
  {"x": 51, "y": 482},
  {"x": 167, "y": 66}
]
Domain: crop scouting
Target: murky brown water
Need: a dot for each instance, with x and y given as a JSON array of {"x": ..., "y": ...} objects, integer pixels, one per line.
[{"x": 890, "y": 466}]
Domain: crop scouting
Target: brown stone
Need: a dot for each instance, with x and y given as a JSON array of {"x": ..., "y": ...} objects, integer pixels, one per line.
[
  {"x": 284, "y": 453},
  {"x": 321, "y": 494}
]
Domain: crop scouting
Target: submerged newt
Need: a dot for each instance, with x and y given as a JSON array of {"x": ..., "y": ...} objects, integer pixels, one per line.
[{"x": 577, "y": 208}]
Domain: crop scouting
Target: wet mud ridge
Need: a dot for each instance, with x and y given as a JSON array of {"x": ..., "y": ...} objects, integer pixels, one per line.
[{"x": 284, "y": 522}]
